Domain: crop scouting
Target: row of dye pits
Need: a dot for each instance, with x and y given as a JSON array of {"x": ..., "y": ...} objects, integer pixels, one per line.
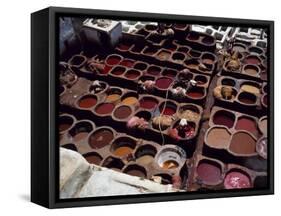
[
  {"x": 243, "y": 91},
  {"x": 122, "y": 148},
  {"x": 176, "y": 54},
  {"x": 237, "y": 133},
  {"x": 129, "y": 69},
  {"x": 120, "y": 152},
  {"x": 123, "y": 107},
  {"x": 116, "y": 59}
]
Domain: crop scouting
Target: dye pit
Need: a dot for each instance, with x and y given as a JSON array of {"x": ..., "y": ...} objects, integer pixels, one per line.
[{"x": 179, "y": 104}]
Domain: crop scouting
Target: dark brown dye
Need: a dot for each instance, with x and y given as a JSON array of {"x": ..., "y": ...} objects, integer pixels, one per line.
[
  {"x": 247, "y": 98},
  {"x": 136, "y": 172},
  {"x": 208, "y": 40},
  {"x": 242, "y": 143},
  {"x": 100, "y": 138},
  {"x": 247, "y": 124},
  {"x": 163, "y": 83},
  {"x": 104, "y": 108},
  {"x": 118, "y": 71},
  {"x": 209, "y": 173},
  {"x": 87, "y": 101},
  {"x": 122, "y": 112},
  {"x": 132, "y": 74},
  {"x": 153, "y": 70},
  {"x": 148, "y": 103},
  {"x": 224, "y": 118},
  {"x": 265, "y": 100},
  {"x": 201, "y": 79},
  {"x": 193, "y": 36},
  {"x": 65, "y": 123},
  {"x": 64, "y": 126},
  {"x": 93, "y": 159},
  {"x": 170, "y": 73}
]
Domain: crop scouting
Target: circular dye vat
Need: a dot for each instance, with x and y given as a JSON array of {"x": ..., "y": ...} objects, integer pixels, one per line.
[
  {"x": 87, "y": 101},
  {"x": 208, "y": 40},
  {"x": 65, "y": 122},
  {"x": 201, "y": 80},
  {"x": 224, "y": 118},
  {"x": 93, "y": 158},
  {"x": 80, "y": 130},
  {"x": 164, "y": 55},
  {"x": 163, "y": 82},
  {"x": 123, "y": 146},
  {"x": 248, "y": 124},
  {"x": 242, "y": 143},
  {"x": 251, "y": 70},
  {"x": 209, "y": 172},
  {"x": 193, "y": 36},
  {"x": 153, "y": 70},
  {"x": 169, "y": 73},
  {"x": 104, "y": 108},
  {"x": 140, "y": 66},
  {"x": 261, "y": 147},
  {"x": 100, "y": 138},
  {"x": 195, "y": 93},
  {"x": 113, "y": 60},
  {"x": 124, "y": 47},
  {"x": 237, "y": 180},
  {"x": 122, "y": 112},
  {"x": 132, "y": 74},
  {"x": 127, "y": 63},
  {"x": 112, "y": 98},
  {"x": 148, "y": 103},
  {"x": 131, "y": 100},
  {"x": 252, "y": 60},
  {"x": 218, "y": 137},
  {"x": 118, "y": 71},
  {"x": 208, "y": 59},
  {"x": 247, "y": 98},
  {"x": 170, "y": 157},
  {"x": 135, "y": 170}
]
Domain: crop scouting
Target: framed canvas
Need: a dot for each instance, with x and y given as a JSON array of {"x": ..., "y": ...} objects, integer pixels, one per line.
[{"x": 139, "y": 107}]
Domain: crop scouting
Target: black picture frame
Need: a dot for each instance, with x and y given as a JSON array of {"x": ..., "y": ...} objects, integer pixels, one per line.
[{"x": 44, "y": 141}]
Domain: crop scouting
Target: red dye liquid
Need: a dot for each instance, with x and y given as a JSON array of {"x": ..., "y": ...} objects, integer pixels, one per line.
[
  {"x": 87, "y": 102},
  {"x": 113, "y": 60},
  {"x": 209, "y": 173},
  {"x": 105, "y": 108},
  {"x": 127, "y": 63},
  {"x": 170, "y": 74},
  {"x": 222, "y": 118},
  {"x": 195, "y": 94},
  {"x": 246, "y": 124},
  {"x": 168, "y": 111},
  {"x": 106, "y": 69},
  {"x": 163, "y": 83},
  {"x": 148, "y": 103}
]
